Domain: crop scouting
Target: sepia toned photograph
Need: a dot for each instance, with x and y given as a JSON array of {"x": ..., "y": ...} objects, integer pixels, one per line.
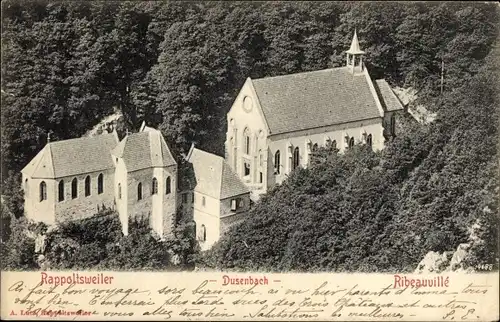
[{"x": 278, "y": 137}]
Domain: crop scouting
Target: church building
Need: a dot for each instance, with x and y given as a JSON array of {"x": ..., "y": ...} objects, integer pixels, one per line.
[
  {"x": 138, "y": 177},
  {"x": 276, "y": 123}
]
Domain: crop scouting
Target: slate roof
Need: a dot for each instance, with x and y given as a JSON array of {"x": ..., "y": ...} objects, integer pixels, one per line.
[
  {"x": 315, "y": 99},
  {"x": 388, "y": 98},
  {"x": 214, "y": 177},
  {"x": 72, "y": 157},
  {"x": 144, "y": 150}
]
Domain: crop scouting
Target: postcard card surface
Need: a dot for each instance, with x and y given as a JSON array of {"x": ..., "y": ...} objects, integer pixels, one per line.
[{"x": 241, "y": 161}]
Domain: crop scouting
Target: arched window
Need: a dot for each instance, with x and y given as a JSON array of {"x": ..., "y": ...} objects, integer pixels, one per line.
[
  {"x": 87, "y": 186},
  {"x": 100, "y": 183},
  {"x": 334, "y": 145},
  {"x": 203, "y": 201},
  {"x": 246, "y": 136},
  {"x": 351, "y": 142},
  {"x": 119, "y": 191},
  {"x": 369, "y": 140},
  {"x": 139, "y": 191},
  {"x": 277, "y": 161},
  {"x": 43, "y": 191},
  {"x": 74, "y": 188},
  {"x": 315, "y": 147},
  {"x": 26, "y": 188},
  {"x": 61, "y": 190},
  {"x": 203, "y": 233},
  {"x": 296, "y": 155},
  {"x": 168, "y": 188},
  {"x": 261, "y": 158},
  {"x": 154, "y": 187}
]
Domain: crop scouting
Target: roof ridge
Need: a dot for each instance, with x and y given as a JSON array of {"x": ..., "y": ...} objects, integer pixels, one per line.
[
  {"x": 300, "y": 73},
  {"x": 51, "y": 161},
  {"x": 81, "y": 138},
  {"x": 35, "y": 166}
]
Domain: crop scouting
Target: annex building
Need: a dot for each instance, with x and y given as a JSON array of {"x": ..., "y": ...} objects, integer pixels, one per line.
[
  {"x": 276, "y": 123},
  {"x": 138, "y": 176}
]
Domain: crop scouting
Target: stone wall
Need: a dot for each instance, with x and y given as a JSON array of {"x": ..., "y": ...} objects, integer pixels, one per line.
[
  {"x": 36, "y": 210},
  {"x": 227, "y": 222},
  {"x": 84, "y": 206},
  {"x": 143, "y": 209}
]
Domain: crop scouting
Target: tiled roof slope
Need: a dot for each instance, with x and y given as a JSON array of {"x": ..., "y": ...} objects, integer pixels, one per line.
[
  {"x": 72, "y": 157},
  {"x": 388, "y": 98},
  {"x": 144, "y": 150},
  {"x": 213, "y": 175},
  {"x": 315, "y": 99}
]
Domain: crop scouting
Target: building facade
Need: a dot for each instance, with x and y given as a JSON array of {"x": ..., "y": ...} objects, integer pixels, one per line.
[
  {"x": 138, "y": 177},
  {"x": 276, "y": 123},
  {"x": 219, "y": 199}
]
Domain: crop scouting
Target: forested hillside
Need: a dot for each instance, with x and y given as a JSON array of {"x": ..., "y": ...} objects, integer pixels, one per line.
[{"x": 179, "y": 65}]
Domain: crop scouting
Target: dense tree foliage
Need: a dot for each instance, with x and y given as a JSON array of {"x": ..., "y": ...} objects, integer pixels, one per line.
[
  {"x": 98, "y": 243},
  {"x": 179, "y": 65}
]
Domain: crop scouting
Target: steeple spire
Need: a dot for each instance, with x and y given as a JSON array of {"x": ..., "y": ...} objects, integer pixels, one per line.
[
  {"x": 355, "y": 50},
  {"x": 355, "y": 63}
]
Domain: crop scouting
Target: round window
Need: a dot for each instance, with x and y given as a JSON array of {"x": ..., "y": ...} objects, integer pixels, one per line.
[{"x": 247, "y": 104}]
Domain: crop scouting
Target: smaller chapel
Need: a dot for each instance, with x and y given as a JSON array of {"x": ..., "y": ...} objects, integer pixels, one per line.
[
  {"x": 138, "y": 177},
  {"x": 276, "y": 123}
]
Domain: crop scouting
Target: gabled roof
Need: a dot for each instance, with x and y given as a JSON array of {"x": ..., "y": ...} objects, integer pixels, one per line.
[
  {"x": 144, "y": 150},
  {"x": 72, "y": 157},
  {"x": 388, "y": 98},
  {"x": 214, "y": 177},
  {"x": 315, "y": 99}
]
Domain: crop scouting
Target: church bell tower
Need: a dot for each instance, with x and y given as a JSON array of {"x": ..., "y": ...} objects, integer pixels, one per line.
[{"x": 355, "y": 56}]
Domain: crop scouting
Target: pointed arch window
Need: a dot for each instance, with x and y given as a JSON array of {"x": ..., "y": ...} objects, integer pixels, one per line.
[
  {"x": 351, "y": 142},
  {"x": 139, "y": 191},
  {"x": 203, "y": 233},
  {"x": 119, "y": 191},
  {"x": 61, "y": 190},
  {"x": 87, "y": 186},
  {"x": 315, "y": 147},
  {"x": 246, "y": 137},
  {"x": 74, "y": 188},
  {"x": 277, "y": 161},
  {"x": 296, "y": 156},
  {"x": 154, "y": 186},
  {"x": 168, "y": 187},
  {"x": 43, "y": 191},
  {"x": 333, "y": 146},
  {"x": 100, "y": 184},
  {"x": 369, "y": 140},
  {"x": 26, "y": 187}
]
